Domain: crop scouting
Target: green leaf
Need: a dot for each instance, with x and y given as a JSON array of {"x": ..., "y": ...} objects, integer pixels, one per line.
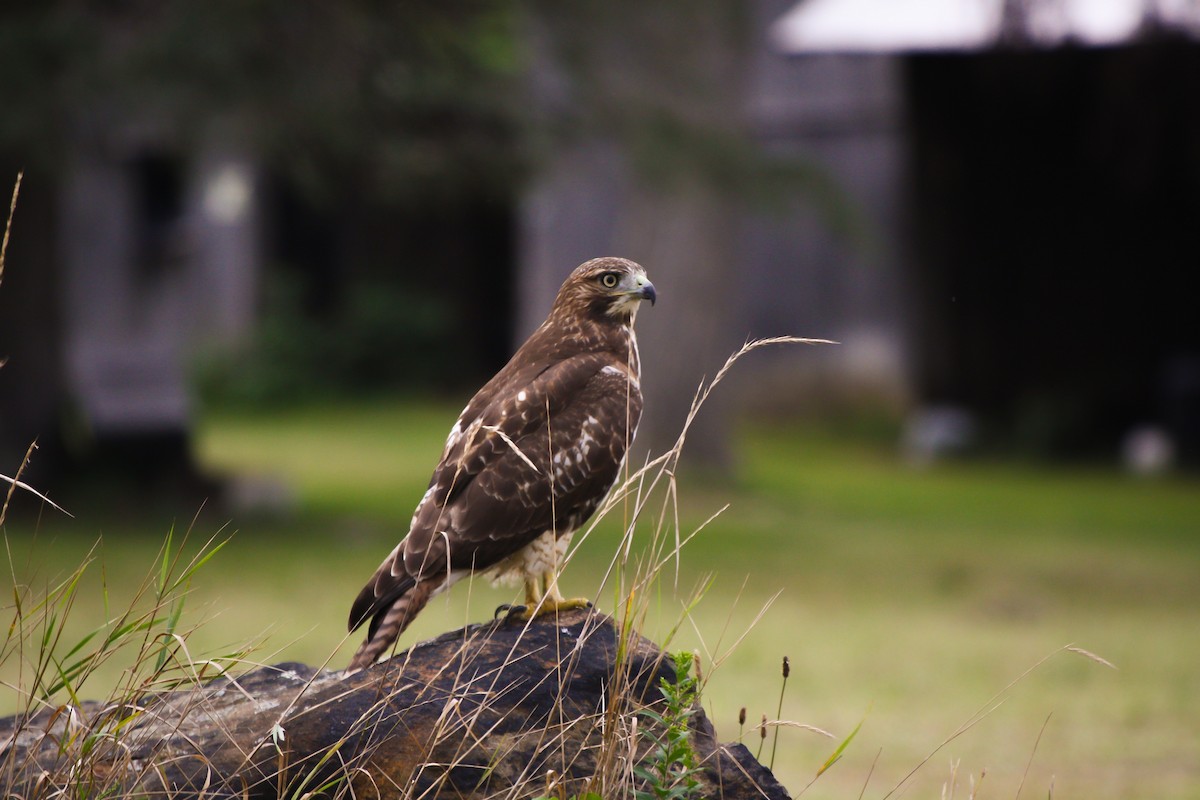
[
  {"x": 653, "y": 716},
  {"x": 172, "y": 623},
  {"x": 841, "y": 748},
  {"x": 80, "y": 644},
  {"x": 164, "y": 569}
]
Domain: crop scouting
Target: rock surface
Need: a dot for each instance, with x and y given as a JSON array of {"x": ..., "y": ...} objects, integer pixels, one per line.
[{"x": 497, "y": 710}]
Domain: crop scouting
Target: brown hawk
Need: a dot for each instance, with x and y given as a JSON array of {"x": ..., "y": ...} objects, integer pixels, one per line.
[{"x": 528, "y": 461}]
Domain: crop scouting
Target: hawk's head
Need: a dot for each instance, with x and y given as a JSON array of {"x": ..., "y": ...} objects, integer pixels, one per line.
[{"x": 605, "y": 289}]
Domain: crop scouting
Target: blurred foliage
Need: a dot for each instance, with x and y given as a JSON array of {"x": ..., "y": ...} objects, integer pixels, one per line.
[
  {"x": 381, "y": 121},
  {"x": 379, "y": 338},
  {"x": 397, "y": 99},
  {"x": 384, "y": 97},
  {"x": 667, "y": 80}
]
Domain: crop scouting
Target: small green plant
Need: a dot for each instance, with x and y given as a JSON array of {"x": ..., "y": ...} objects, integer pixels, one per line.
[{"x": 670, "y": 771}]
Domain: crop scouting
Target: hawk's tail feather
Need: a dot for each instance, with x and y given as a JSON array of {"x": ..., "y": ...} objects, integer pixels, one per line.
[
  {"x": 375, "y": 599},
  {"x": 390, "y": 621}
]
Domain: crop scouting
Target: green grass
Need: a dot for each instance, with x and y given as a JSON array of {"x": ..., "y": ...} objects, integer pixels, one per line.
[{"x": 906, "y": 596}]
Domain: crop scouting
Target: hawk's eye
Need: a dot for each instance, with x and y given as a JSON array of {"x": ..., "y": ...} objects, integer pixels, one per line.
[{"x": 609, "y": 280}]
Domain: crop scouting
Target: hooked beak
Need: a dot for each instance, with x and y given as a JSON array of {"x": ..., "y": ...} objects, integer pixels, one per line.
[{"x": 647, "y": 293}]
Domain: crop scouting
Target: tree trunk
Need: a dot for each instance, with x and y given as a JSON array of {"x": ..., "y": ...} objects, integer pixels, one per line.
[{"x": 644, "y": 111}]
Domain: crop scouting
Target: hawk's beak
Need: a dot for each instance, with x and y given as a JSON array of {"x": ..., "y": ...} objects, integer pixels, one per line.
[{"x": 647, "y": 292}]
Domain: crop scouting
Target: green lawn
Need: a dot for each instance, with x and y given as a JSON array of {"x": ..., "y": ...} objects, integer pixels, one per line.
[{"x": 905, "y": 597}]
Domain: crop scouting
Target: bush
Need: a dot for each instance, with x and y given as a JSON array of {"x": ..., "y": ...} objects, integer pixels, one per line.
[{"x": 378, "y": 338}]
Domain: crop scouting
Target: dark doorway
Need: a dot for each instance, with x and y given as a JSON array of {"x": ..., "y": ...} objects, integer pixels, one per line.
[
  {"x": 1056, "y": 216},
  {"x": 418, "y": 292}
]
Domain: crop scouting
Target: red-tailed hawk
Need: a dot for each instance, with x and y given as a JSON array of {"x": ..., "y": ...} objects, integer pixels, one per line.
[{"x": 527, "y": 462}]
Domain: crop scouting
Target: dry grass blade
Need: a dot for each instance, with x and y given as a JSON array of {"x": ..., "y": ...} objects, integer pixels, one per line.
[
  {"x": 12, "y": 209},
  {"x": 16, "y": 483},
  {"x": 511, "y": 445},
  {"x": 1032, "y": 753},
  {"x": 870, "y": 772},
  {"x": 975, "y": 784},
  {"x": 1091, "y": 656},
  {"x": 640, "y": 485},
  {"x": 787, "y": 723},
  {"x": 705, "y": 390},
  {"x": 991, "y": 705}
]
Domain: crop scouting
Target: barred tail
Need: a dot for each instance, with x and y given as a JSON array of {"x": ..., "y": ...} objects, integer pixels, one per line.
[{"x": 389, "y": 623}]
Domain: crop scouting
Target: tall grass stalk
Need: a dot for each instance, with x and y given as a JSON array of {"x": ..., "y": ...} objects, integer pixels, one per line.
[
  {"x": 994, "y": 702},
  {"x": 787, "y": 670},
  {"x": 633, "y": 573},
  {"x": 15, "y": 483},
  {"x": 12, "y": 210},
  {"x": 53, "y": 667}
]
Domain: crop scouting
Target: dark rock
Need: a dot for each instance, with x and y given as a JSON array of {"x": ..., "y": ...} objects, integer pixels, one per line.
[{"x": 496, "y": 710}]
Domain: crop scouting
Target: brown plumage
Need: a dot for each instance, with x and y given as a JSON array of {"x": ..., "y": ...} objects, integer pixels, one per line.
[{"x": 528, "y": 461}]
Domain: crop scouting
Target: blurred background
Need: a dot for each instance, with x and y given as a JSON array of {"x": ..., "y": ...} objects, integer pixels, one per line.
[{"x": 264, "y": 251}]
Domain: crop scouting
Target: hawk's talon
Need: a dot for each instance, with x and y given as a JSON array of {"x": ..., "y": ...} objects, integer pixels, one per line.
[{"x": 510, "y": 610}]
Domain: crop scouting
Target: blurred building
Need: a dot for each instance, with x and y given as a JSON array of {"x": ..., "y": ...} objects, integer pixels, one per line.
[
  {"x": 143, "y": 254},
  {"x": 1022, "y": 179},
  {"x": 160, "y": 256}
]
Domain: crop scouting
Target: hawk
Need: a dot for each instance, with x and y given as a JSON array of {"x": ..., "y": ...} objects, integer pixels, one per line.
[{"x": 529, "y": 460}]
